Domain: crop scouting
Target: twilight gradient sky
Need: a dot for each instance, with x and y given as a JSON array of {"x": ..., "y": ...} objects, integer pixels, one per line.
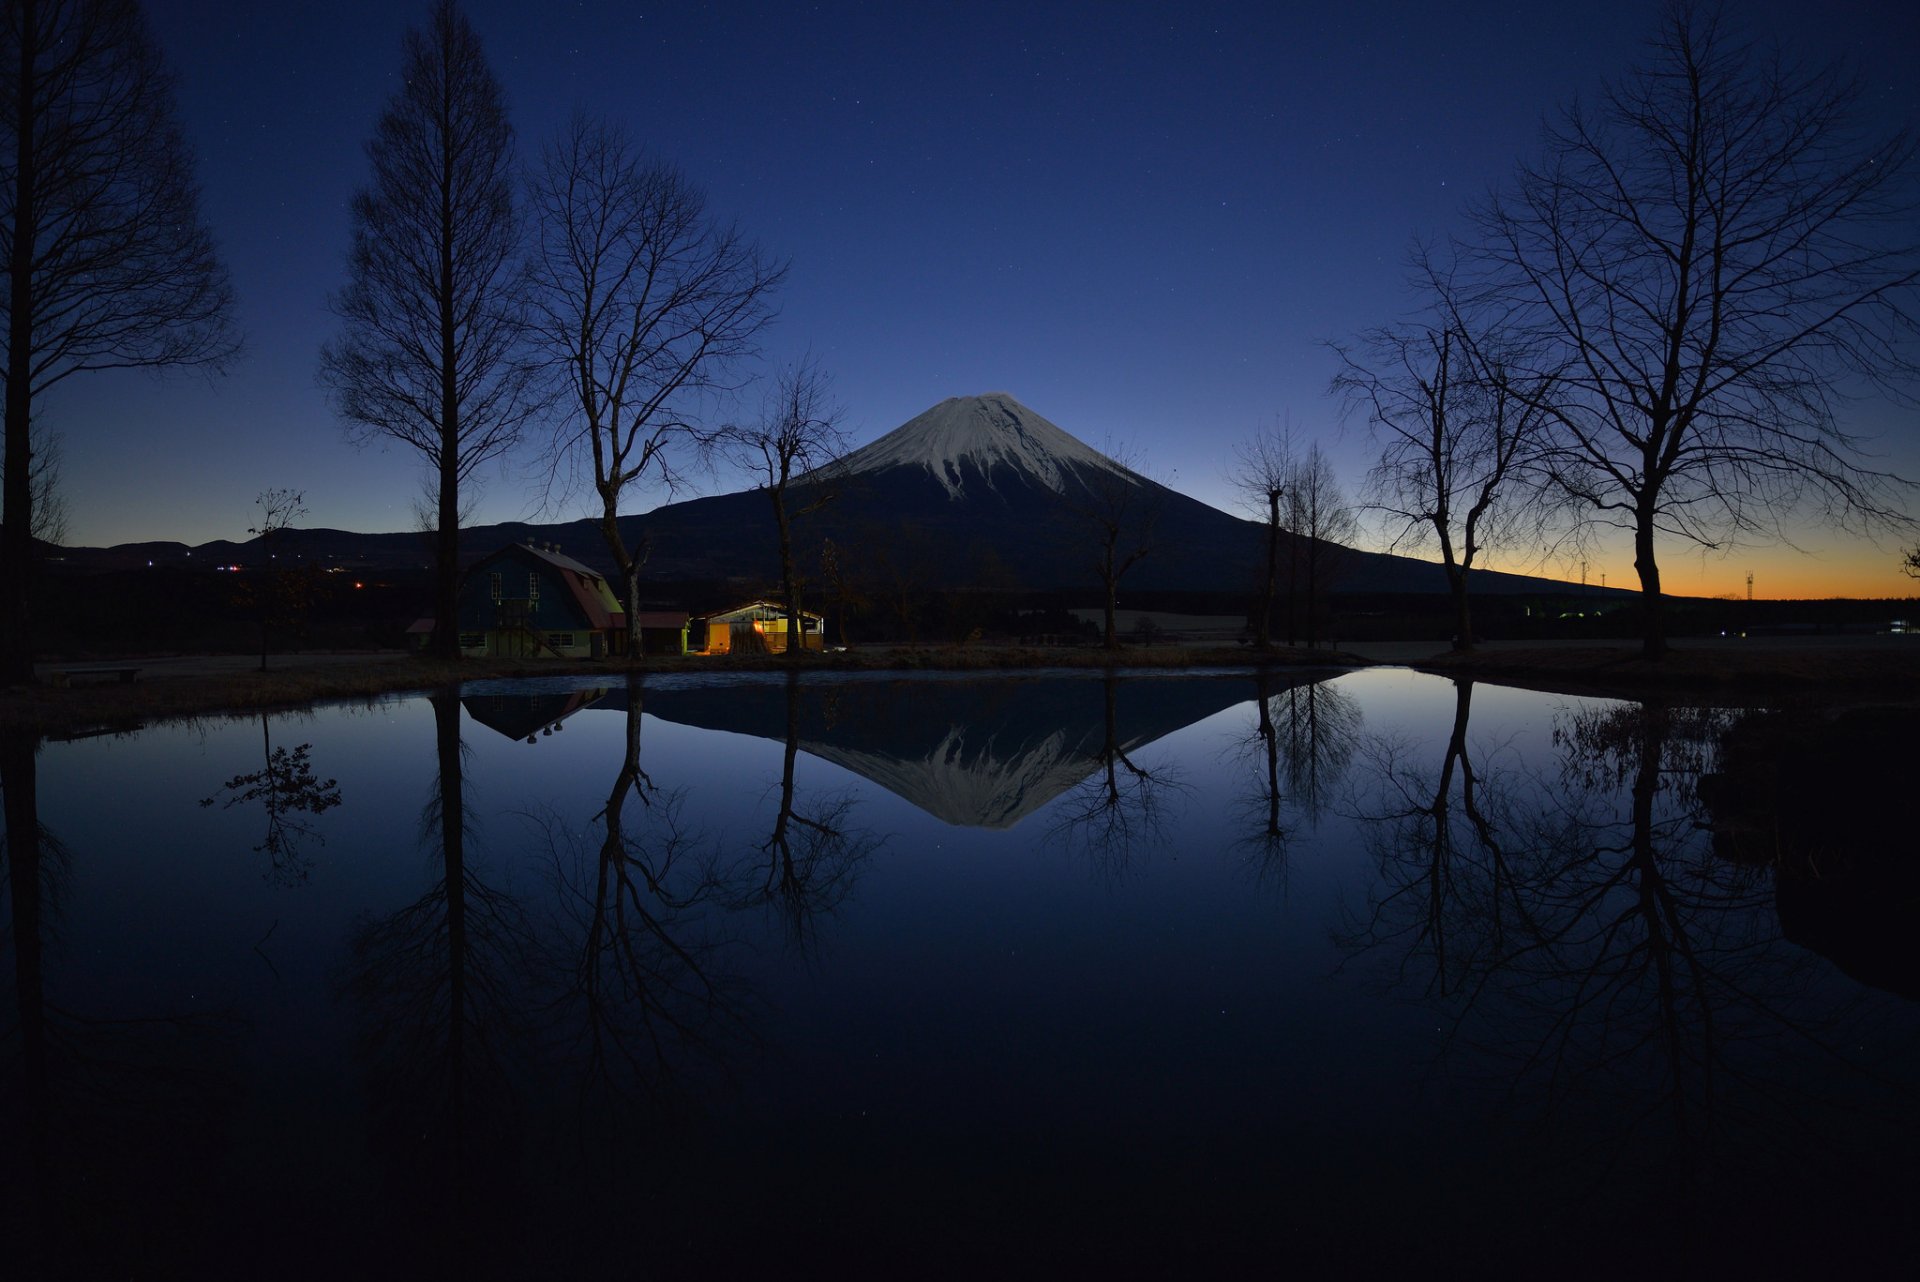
[{"x": 1144, "y": 221}]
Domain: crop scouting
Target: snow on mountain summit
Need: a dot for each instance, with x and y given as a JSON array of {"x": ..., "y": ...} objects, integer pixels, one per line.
[{"x": 987, "y": 431}]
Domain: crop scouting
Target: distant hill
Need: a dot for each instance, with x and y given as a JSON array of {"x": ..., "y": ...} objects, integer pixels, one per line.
[{"x": 978, "y": 491}]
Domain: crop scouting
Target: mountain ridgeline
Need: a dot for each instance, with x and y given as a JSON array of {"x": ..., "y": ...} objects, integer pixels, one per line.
[{"x": 977, "y": 492}]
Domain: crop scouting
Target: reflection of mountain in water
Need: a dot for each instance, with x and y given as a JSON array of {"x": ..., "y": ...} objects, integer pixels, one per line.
[{"x": 979, "y": 753}]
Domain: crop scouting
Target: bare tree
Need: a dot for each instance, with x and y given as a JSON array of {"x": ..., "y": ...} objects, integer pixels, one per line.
[
  {"x": 1118, "y": 509},
  {"x": 1458, "y": 430},
  {"x": 431, "y": 313},
  {"x": 1718, "y": 253},
  {"x": 1266, "y": 465},
  {"x": 641, "y": 303},
  {"x": 799, "y": 432},
  {"x": 48, "y": 503},
  {"x": 1911, "y": 565},
  {"x": 279, "y": 509},
  {"x": 108, "y": 264},
  {"x": 1322, "y": 522}
]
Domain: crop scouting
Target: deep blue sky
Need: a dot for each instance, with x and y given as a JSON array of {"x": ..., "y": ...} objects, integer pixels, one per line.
[{"x": 1144, "y": 221}]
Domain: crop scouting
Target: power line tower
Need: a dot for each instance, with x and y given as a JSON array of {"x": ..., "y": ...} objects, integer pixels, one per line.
[{"x": 1749, "y": 585}]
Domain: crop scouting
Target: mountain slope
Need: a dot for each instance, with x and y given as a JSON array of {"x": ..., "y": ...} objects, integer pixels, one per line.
[{"x": 977, "y": 492}]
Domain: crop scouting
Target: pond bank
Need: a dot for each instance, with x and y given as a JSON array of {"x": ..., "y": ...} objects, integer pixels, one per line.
[
  {"x": 181, "y": 686},
  {"x": 1881, "y": 668}
]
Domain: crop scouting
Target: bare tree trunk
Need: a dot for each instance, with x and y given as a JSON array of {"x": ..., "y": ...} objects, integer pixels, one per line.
[
  {"x": 1653, "y": 606},
  {"x": 1111, "y": 637},
  {"x": 789, "y": 587},
  {"x": 445, "y": 642},
  {"x": 1273, "y": 570},
  {"x": 1293, "y": 591},
  {"x": 1462, "y": 610},
  {"x": 16, "y": 537}
]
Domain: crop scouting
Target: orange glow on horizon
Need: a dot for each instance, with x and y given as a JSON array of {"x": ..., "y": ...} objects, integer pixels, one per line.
[{"x": 1847, "y": 569}]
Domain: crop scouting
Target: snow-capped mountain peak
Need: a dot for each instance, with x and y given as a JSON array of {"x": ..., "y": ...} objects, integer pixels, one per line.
[{"x": 988, "y": 432}]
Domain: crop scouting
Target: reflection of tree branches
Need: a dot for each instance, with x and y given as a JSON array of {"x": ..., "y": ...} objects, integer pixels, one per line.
[
  {"x": 814, "y": 855},
  {"x": 1591, "y": 943},
  {"x": 1121, "y": 806},
  {"x": 287, "y": 788},
  {"x": 640, "y": 984},
  {"x": 1445, "y": 872},
  {"x": 1316, "y": 726},
  {"x": 440, "y": 985}
]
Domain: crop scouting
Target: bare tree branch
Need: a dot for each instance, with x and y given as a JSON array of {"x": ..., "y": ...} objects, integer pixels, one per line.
[
  {"x": 429, "y": 355},
  {"x": 641, "y": 303},
  {"x": 1717, "y": 257},
  {"x": 108, "y": 264}
]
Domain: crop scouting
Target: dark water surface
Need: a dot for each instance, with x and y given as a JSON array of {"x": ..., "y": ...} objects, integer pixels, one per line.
[{"x": 1207, "y": 975}]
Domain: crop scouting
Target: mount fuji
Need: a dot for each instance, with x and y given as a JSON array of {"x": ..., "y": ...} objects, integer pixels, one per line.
[
  {"x": 981, "y": 491},
  {"x": 976, "y": 492}
]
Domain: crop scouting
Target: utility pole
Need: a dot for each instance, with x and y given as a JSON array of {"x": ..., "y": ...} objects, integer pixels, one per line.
[{"x": 1749, "y": 585}]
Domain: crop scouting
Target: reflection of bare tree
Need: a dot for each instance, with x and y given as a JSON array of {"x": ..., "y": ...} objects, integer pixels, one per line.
[
  {"x": 291, "y": 794},
  {"x": 814, "y": 855},
  {"x": 1121, "y": 807},
  {"x": 1438, "y": 838},
  {"x": 439, "y": 985},
  {"x": 1316, "y": 726},
  {"x": 1587, "y": 940},
  {"x": 1264, "y": 835},
  {"x": 640, "y": 982},
  {"x": 98, "y": 1115}
]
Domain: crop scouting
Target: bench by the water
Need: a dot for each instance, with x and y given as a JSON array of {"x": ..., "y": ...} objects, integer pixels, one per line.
[{"x": 61, "y": 678}]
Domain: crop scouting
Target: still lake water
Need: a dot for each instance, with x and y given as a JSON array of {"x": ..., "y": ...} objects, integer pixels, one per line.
[{"x": 1060, "y": 974}]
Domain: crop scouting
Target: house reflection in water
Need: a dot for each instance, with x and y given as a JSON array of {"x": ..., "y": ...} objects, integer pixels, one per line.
[{"x": 529, "y": 716}]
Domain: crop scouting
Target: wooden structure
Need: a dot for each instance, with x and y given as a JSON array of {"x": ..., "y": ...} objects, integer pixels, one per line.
[
  {"x": 758, "y": 627},
  {"x": 527, "y": 601}
]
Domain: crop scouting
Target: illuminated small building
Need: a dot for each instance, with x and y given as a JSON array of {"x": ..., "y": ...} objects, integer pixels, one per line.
[{"x": 758, "y": 627}]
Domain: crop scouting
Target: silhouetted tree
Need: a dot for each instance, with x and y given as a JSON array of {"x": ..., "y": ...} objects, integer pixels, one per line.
[
  {"x": 1457, "y": 431},
  {"x": 798, "y": 433},
  {"x": 1318, "y": 516},
  {"x": 1117, "y": 509},
  {"x": 108, "y": 265},
  {"x": 1911, "y": 565},
  {"x": 1712, "y": 253},
  {"x": 1265, "y": 467},
  {"x": 431, "y": 313},
  {"x": 276, "y": 596},
  {"x": 48, "y": 502},
  {"x": 642, "y": 302}
]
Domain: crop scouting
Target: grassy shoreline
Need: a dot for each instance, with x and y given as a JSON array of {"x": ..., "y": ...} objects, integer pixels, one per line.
[
  {"x": 109, "y": 707},
  {"x": 1617, "y": 671}
]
